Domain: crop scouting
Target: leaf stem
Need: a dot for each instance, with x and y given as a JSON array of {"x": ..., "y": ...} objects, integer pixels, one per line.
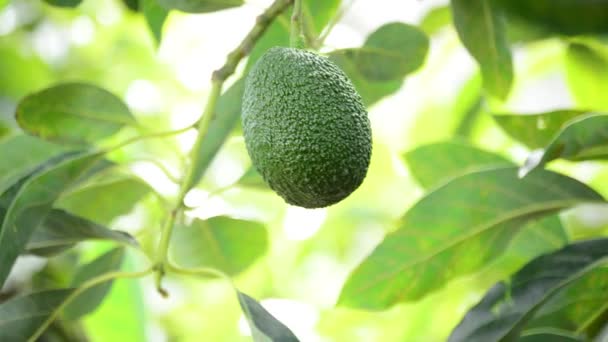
[
  {"x": 95, "y": 281},
  {"x": 193, "y": 174},
  {"x": 296, "y": 37},
  {"x": 149, "y": 136}
]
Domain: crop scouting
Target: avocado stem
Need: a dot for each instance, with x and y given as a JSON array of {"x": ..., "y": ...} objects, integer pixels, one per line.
[
  {"x": 296, "y": 38},
  {"x": 193, "y": 174}
]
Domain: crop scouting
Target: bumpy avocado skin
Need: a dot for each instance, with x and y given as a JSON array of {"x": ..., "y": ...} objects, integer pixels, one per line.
[{"x": 305, "y": 127}]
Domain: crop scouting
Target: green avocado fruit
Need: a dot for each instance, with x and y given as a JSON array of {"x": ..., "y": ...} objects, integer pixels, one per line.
[{"x": 305, "y": 127}]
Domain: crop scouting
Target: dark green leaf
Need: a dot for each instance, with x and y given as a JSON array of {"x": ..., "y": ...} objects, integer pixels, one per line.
[
  {"x": 21, "y": 154},
  {"x": 583, "y": 138},
  {"x": 220, "y": 242},
  {"x": 578, "y": 306},
  {"x": 155, "y": 17},
  {"x": 228, "y": 113},
  {"x": 20, "y": 317},
  {"x": 63, "y": 3},
  {"x": 455, "y": 230},
  {"x": 436, "y": 163},
  {"x": 98, "y": 200},
  {"x": 436, "y": 19},
  {"x": 481, "y": 30},
  {"x": 587, "y": 72},
  {"x": 62, "y": 230},
  {"x": 90, "y": 299},
  {"x": 391, "y": 52},
  {"x": 264, "y": 327},
  {"x": 509, "y": 306},
  {"x": 535, "y": 130},
  {"x": 553, "y": 335},
  {"x": 75, "y": 113},
  {"x": 571, "y": 17},
  {"x": 252, "y": 178},
  {"x": 199, "y": 6},
  {"x": 133, "y": 5},
  {"x": 33, "y": 202}
]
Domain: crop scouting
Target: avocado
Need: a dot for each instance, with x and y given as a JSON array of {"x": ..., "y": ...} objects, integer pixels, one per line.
[{"x": 305, "y": 127}]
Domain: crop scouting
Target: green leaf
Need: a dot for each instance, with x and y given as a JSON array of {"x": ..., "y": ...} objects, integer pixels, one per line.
[
  {"x": 228, "y": 113},
  {"x": 21, "y": 154},
  {"x": 391, "y": 52},
  {"x": 21, "y": 316},
  {"x": 552, "y": 335},
  {"x": 133, "y": 5},
  {"x": 587, "y": 73},
  {"x": 73, "y": 113},
  {"x": 535, "y": 130},
  {"x": 90, "y": 299},
  {"x": 509, "y": 306},
  {"x": 3, "y": 3},
  {"x": 123, "y": 309},
  {"x": 436, "y": 163},
  {"x": 436, "y": 19},
  {"x": 570, "y": 17},
  {"x": 538, "y": 236},
  {"x": 199, "y": 6},
  {"x": 98, "y": 200},
  {"x": 481, "y": 30},
  {"x": 264, "y": 327},
  {"x": 63, "y": 3},
  {"x": 223, "y": 243},
  {"x": 253, "y": 179},
  {"x": 577, "y": 307},
  {"x": 33, "y": 202},
  {"x": 62, "y": 230},
  {"x": 583, "y": 138},
  {"x": 317, "y": 13},
  {"x": 155, "y": 18},
  {"x": 455, "y": 230}
]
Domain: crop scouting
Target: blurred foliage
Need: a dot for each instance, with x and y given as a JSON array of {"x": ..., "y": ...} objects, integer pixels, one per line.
[{"x": 442, "y": 231}]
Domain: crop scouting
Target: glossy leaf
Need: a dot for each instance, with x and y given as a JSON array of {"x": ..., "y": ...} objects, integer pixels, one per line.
[
  {"x": 21, "y": 154},
  {"x": 155, "y": 17},
  {"x": 509, "y": 306},
  {"x": 550, "y": 335},
  {"x": 90, "y": 298},
  {"x": 21, "y": 316},
  {"x": 481, "y": 30},
  {"x": 220, "y": 242},
  {"x": 391, "y": 52},
  {"x": 570, "y": 17},
  {"x": 75, "y": 113},
  {"x": 62, "y": 230},
  {"x": 98, "y": 200},
  {"x": 436, "y": 163},
  {"x": 378, "y": 67},
  {"x": 63, "y": 3},
  {"x": 199, "y": 6},
  {"x": 583, "y": 138},
  {"x": 264, "y": 327},
  {"x": 535, "y": 130},
  {"x": 436, "y": 19},
  {"x": 455, "y": 230},
  {"x": 228, "y": 113},
  {"x": 33, "y": 202},
  {"x": 578, "y": 306},
  {"x": 587, "y": 72}
]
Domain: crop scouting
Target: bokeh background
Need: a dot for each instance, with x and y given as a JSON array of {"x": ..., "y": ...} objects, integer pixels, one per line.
[{"x": 310, "y": 252}]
